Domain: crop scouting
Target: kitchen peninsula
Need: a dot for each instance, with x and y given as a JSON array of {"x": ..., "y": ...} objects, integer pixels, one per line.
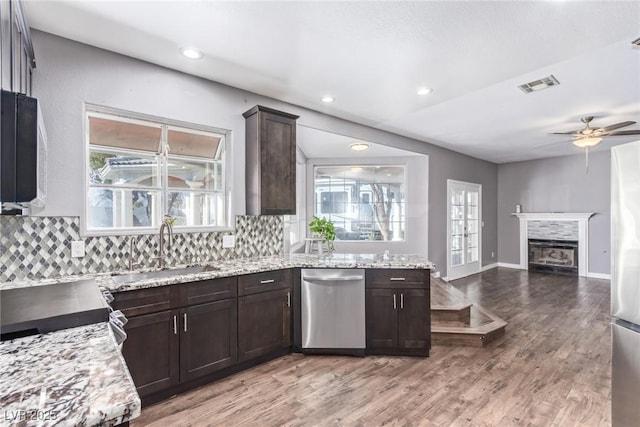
[{"x": 169, "y": 301}]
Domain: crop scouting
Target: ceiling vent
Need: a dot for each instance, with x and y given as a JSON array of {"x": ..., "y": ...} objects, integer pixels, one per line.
[
  {"x": 636, "y": 42},
  {"x": 540, "y": 84}
]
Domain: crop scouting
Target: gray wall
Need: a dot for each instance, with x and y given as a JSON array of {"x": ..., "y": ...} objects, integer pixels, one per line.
[
  {"x": 558, "y": 184},
  {"x": 70, "y": 74}
]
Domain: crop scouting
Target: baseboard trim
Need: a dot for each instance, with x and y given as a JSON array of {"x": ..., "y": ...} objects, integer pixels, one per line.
[
  {"x": 488, "y": 267},
  {"x": 599, "y": 275},
  {"x": 508, "y": 265}
]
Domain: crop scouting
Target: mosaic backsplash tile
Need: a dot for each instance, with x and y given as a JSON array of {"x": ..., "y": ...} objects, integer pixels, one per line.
[
  {"x": 552, "y": 230},
  {"x": 39, "y": 247}
]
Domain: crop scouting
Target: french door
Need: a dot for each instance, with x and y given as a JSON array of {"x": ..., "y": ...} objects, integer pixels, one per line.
[{"x": 464, "y": 228}]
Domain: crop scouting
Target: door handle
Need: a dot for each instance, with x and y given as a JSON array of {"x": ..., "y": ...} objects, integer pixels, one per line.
[
  {"x": 184, "y": 317},
  {"x": 394, "y": 302},
  {"x": 175, "y": 325},
  {"x": 402, "y": 301}
]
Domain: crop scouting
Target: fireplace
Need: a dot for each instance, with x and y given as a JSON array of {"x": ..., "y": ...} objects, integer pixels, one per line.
[{"x": 555, "y": 256}]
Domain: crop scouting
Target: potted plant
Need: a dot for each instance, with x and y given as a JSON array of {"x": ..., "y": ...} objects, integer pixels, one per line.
[{"x": 324, "y": 229}]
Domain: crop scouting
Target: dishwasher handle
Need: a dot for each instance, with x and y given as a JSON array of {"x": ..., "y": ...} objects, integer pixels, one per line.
[{"x": 333, "y": 279}]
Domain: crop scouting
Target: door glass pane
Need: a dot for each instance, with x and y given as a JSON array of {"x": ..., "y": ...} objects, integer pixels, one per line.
[
  {"x": 456, "y": 258},
  {"x": 457, "y": 197},
  {"x": 472, "y": 198},
  {"x": 472, "y": 212}
]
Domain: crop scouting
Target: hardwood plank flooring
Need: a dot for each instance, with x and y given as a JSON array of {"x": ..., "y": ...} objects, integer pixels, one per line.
[{"x": 551, "y": 369}]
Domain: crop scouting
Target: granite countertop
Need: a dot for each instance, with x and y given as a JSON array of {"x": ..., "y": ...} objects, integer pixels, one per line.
[
  {"x": 71, "y": 377},
  {"x": 236, "y": 267}
]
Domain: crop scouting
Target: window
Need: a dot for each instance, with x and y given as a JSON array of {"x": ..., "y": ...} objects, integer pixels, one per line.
[
  {"x": 139, "y": 170},
  {"x": 363, "y": 202}
]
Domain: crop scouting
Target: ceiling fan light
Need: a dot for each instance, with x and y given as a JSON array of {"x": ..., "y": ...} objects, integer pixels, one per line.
[
  {"x": 359, "y": 146},
  {"x": 586, "y": 142}
]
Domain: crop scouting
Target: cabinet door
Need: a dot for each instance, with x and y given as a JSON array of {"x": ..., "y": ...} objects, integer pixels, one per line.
[
  {"x": 151, "y": 351},
  {"x": 278, "y": 164},
  {"x": 382, "y": 318},
  {"x": 414, "y": 320},
  {"x": 264, "y": 323},
  {"x": 208, "y": 338}
]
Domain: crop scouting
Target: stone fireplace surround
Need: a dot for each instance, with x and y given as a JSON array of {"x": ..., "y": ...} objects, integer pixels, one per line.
[{"x": 564, "y": 229}]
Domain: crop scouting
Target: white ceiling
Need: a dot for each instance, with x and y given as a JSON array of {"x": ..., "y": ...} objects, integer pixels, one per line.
[{"x": 372, "y": 57}]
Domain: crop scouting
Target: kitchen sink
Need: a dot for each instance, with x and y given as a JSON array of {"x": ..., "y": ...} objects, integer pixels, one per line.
[{"x": 160, "y": 274}]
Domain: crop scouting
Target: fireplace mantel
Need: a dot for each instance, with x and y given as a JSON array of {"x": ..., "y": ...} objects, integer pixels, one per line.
[
  {"x": 582, "y": 218},
  {"x": 554, "y": 216}
]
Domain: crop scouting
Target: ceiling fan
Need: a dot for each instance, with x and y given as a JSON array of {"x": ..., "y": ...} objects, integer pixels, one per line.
[{"x": 590, "y": 136}]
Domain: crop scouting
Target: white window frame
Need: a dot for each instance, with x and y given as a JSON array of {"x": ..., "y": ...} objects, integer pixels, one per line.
[
  {"x": 365, "y": 162},
  {"x": 111, "y": 113}
]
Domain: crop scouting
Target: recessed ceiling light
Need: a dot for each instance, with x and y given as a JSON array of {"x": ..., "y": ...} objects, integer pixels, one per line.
[
  {"x": 191, "y": 52},
  {"x": 359, "y": 146},
  {"x": 424, "y": 91},
  {"x": 328, "y": 99}
]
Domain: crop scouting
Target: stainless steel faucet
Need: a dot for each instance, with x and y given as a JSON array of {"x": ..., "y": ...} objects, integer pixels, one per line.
[
  {"x": 133, "y": 241},
  {"x": 165, "y": 225}
]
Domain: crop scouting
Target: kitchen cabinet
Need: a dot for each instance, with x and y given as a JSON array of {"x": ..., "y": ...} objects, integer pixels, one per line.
[
  {"x": 151, "y": 351},
  {"x": 398, "y": 312},
  {"x": 270, "y": 168},
  {"x": 197, "y": 336},
  {"x": 264, "y": 314}
]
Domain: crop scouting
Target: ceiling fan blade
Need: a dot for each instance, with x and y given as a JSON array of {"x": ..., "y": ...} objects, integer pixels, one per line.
[
  {"x": 574, "y": 132},
  {"x": 617, "y": 126},
  {"x": 623, "y": 132}
]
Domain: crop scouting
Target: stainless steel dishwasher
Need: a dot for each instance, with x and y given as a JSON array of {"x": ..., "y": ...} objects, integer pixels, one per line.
[{"x": 332, "y": 311}]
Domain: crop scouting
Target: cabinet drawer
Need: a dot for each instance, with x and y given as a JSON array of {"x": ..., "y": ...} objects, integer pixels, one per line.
[
  {"x": 396, "y": 278},
  {"x": 208, "y": 290},
  {"x": 144, "y": 301},
  {"x": 263, "y": 282}
]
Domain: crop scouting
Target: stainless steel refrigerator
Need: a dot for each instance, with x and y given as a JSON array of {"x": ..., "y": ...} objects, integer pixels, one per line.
[{"x": 625, "y": 285}]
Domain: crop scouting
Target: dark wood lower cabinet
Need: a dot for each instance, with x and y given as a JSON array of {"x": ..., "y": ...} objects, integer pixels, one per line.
[
  {"x": 264, "y": 323},
  {"x": 208, "y": 339},
  {"x": 151, "y": 351},
  {"x": 398, "y": 312}
]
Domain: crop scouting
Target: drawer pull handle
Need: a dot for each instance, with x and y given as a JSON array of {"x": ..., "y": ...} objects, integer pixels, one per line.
[
  {"x": 394, "y": 301},
  {"x": 175, "y": 325},
  {"x": 264, "y": 282},
  {"x": 288, "y": 299},
  {"x": 185, "y": 321},
  {"x": 397, "y": 279},
  {"x": 402, "y": 301}
]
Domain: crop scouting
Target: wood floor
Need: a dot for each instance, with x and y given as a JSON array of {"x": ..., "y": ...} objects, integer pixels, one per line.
[{"x": 550, "y": 369}]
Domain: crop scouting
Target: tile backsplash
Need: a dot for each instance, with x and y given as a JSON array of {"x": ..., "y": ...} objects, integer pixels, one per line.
[{"x": 40, "y": 247}]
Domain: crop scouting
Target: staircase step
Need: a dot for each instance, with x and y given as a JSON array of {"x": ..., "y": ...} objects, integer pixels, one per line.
[
  {"x": 458, "y": 323},
  {"x": 460, "y": 313}
]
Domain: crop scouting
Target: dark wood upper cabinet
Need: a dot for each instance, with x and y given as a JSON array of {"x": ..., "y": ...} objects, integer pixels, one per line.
[{"x": 270, "y": 161}]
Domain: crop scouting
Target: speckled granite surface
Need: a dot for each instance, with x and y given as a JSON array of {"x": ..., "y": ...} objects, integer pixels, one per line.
[
  {"x": 72, "y": 377},
  {"x": 241, "y": 266}
]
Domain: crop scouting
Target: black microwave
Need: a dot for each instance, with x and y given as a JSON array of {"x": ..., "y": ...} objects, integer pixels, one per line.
[{"x": 23, "y": 152}]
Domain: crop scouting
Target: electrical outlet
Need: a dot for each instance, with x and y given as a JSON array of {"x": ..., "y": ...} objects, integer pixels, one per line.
[
  {"x": 228, "y": 241},
  {"x": 436, "y": 274},
  {"x": 77, "y": 248},
  {"x": 493, "y": 255}
]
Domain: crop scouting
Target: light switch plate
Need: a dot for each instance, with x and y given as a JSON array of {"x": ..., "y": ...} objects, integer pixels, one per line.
[
  {"x": 77, "y": 248},
  {"x": 228, "y": 241}
]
